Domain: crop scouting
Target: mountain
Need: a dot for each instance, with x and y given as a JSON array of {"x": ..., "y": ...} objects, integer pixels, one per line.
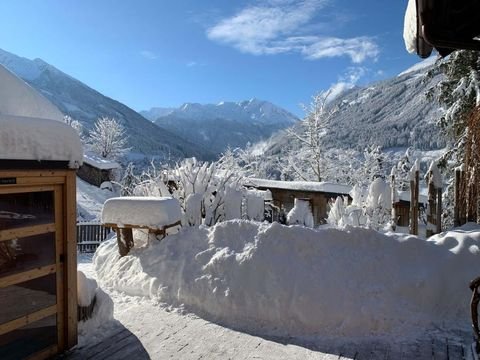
[
  {"x": 85, "y": 104},
  {"x": 393, "y": 113},
  {"x": 227, "y": 124}
]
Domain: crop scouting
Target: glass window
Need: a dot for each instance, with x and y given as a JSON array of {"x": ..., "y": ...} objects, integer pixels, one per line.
[
  {"x": 27, "y": 297},
  {"x": 28, "y": 340},
  {"x": 26, "y": 253},
  {"x": 26, "y": 209}
]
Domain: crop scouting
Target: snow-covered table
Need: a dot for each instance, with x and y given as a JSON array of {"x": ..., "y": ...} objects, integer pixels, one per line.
[{"x": 156, "y": 214}]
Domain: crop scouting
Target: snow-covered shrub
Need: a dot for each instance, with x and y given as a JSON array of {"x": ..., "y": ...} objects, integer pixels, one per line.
[
  {"x": 378, "y": 205},
  {"x": 233, "y": 203},
  {"x": 255, "y": 205},
  {"x": 301, "y": 214}
]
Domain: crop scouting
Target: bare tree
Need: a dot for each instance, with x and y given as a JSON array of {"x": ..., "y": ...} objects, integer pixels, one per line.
[
  {"x": 108, "y": 138},
  {"x": 309, "y": 133}
]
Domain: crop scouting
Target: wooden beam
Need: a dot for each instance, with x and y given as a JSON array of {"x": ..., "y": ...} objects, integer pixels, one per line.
[
  {"x": 27, "y": 319},
  {"x": 22, "y": 232},
  {"x": 27, "y": 275},
  {"x": 70, "y": 233}
]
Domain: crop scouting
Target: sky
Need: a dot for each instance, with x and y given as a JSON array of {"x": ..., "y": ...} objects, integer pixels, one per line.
[{"x": 153, "y": 53}]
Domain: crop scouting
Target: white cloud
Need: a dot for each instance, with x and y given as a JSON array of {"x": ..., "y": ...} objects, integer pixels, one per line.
[
  {"x": 277, "y": 26},
  {"x": 191, "y": 64},
  {"x": 147, "y": 54},
  {"x": 346, "y": 82}
]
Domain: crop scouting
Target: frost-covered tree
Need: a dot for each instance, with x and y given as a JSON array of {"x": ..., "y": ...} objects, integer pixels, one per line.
[
  {"x": 309, "y": 133},
  {"x": 77, "y": 125},
  {"x": 374, "y": 165},
  {"x": 108, "y": 138}
]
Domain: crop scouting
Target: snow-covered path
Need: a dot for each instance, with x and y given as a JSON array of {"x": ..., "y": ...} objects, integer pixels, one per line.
[{"x": 144, "y": 329}]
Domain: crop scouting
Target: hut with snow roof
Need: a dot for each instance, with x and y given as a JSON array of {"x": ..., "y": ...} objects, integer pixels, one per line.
[
  {"x": 319, "y": 194},
  {"x": 96, "y": 170},
  {"x": 39, "y": 155}
]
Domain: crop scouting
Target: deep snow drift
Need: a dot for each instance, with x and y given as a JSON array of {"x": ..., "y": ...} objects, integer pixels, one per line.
[{"x": 293, "y": 281}]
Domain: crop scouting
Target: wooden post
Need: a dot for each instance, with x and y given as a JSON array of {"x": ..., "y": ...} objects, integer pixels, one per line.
[
  {"x": 412, "y": 206},
  {"x": 394, "y": 213},
  {"x": 414, "y": 203},
  {"x": 456, "y": 205},
  {"x": 124, "y": 240},
  {"x": 432, "y": 206},
  {"x": 439, "y": 210}
]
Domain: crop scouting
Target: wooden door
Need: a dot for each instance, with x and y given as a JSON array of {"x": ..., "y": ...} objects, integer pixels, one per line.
[{"x": 32, "y": 309}]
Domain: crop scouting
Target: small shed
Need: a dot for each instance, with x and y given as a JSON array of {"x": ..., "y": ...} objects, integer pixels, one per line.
[
  {"x": 96, "y": 170},
  {"x": 39, "y": 155},
  {"x": 318, "y": 194}
]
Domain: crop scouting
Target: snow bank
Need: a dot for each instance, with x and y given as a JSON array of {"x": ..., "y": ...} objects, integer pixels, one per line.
[
  {"x": 102, "y": 312},
  {"x": 26, "y": 138},
  {"x": 294, "y": 281},
  {"x": 152, "y": 212}
]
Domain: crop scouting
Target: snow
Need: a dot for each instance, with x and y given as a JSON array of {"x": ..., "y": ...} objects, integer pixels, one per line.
[
  {"x": 31, "y": 127},
  {"x": 301, "y": 214},
  {"x": 379, "y": 194},
  {"x": 27, "y": 138},
  {"x": 420, "y": 66},
  {"x": 90, "y": 201},
  {"x": 193, "y": 212},
  {"x": 410, "y": 27},
  {"x": 100, "y": 163},
  {"x": 236, "y": 274},
  {"x": 85, "y": 289},
  {"x": 255, "y": 205},
  {"x": 233, "y": 203},
  {"x": 17, "y": 98},
  {"x": 436, "y": 175},
  {"x": 300, "y": 186},
  {"x": 152, "y": 212}
]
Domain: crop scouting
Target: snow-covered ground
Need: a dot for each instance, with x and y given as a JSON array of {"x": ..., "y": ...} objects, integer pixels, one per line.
[{"x": 90, "y": 200}]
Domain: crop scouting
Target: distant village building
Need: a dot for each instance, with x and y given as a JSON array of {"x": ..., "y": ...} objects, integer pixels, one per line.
[
  {"x": 284, "y": 193},
  {"x": 96, "y": 170}
]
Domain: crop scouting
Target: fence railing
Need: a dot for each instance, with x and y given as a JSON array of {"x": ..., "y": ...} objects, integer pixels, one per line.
[{"x": 90, "y": 236}]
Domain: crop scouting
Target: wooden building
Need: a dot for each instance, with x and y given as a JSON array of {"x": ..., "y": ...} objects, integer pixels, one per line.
[
  {"x": 402, "y": 207},
  {"x": 96, "y": 170},
  {"x": 319, "y": 194},
  {"x": 38, "y": 265}
]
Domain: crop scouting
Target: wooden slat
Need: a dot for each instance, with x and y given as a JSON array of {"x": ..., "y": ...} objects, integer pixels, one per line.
[
  {"x": 70, "y": 231},
  {"x": 32, "y": 173},
  {"x": 14, "y": 189},
  {"x": 27, "y": 319},
  {"x": 27, "y": 275},
  {"x": 46, "y": 353},
  {"x": 41, "y": 180},
  {"x": 26, "y": 231},
  {"x": 59, "y": 253}
]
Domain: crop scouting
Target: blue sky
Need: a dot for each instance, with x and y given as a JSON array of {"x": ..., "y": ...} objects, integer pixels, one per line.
[{"x": 165, "y": 53}]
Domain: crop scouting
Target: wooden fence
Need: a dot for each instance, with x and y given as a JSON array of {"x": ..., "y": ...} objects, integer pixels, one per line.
[{"x": 90, "y": 235}]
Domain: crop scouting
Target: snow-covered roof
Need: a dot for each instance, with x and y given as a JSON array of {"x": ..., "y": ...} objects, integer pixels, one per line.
[
  {"x": 405, "y": 196},
  {"x": 410, "y": 27},
  {"x": 100, "y": 163},
  {"x": 28, "y": 138},
  {"x": 311, "y": 186},
  {"x": 142, "y": 211},
  {"x": 31, "y": 128},
  {"x": 20, "y": 99}
]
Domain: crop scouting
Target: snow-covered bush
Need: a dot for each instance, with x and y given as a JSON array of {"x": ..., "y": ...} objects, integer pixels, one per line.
[
  {"x": 370, "y": 209},
  {"x": 254, "y": 205},
  {"x": 301, "y": 214}
]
